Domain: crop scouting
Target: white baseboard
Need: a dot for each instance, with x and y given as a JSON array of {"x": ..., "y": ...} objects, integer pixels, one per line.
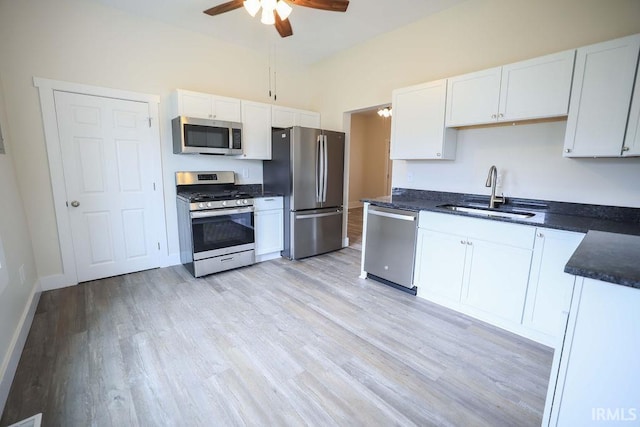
[
  {"x": 55, "y": 281},
  {"x": 267, "y": 257},
  {"x": 170, "y": 260},
  {"x": 12, "y": 356}
]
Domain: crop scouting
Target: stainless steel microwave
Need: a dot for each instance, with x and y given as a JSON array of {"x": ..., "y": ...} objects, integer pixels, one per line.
[{"x": 202, "y": 136}]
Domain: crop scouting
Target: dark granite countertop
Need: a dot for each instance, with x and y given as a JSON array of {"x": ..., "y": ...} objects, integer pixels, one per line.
[
  {"x": 610, "y": 257},
  {"x": 558, "y": 215},
  {"x": 263, "y": 194},
  {"x": 256, "y": 190},
  {"x": 610, "y": 251}
]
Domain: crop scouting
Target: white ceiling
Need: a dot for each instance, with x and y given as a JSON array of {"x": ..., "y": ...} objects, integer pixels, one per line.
[{"x": 317, "y": 34}]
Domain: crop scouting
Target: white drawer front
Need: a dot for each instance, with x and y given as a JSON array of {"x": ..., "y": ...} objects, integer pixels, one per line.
[{"x": 267, "y": 203}]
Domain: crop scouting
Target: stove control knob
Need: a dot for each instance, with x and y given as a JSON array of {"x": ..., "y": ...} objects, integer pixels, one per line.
[
  {"x": 201, "y": 205},
  {"x": 224, "y": 203},
  {"x": 245, "y": 201},
  {"x": 209, "y": 205},
  {"x": 238, "y": 202}
]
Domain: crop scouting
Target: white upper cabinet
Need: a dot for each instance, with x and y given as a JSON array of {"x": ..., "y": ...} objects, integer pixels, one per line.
[
  {"x": 473, "y": 98},
  {"x": 536, "y": 88},
  {"x": 417, "y": 127},
  {"x": 284, "y": 117},
  {"x": 631, "y": 145},
  {"x": 206, "y": 106},
  {"x": 256, "y": 130},
  {"x": 532, "y": 89},
  {"x": 308, "y": 119},
  {"x": 601, "y": 98}
]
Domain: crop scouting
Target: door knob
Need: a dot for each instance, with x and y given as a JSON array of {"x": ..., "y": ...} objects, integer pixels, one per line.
[{"x": 75, "y": 203}]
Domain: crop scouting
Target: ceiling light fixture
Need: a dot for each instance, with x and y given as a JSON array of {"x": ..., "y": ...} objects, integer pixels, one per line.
[
  {"x": 268, "y": 7},
  {"x": 385, "y": 112},
  {"x": 252, "y": 6}
]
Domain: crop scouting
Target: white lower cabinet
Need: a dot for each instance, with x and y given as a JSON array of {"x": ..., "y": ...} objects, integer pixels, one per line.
[
  {"x": 595, "y": 379},
  {"x": 440, "y": 264},
  {"x": 477, "y": 266},
  {"x": 269, "y": 227},
  {"x": 510, "y": 275},
  {"x": 550, "y": 288},
  {"x": 497, "y": 280}
]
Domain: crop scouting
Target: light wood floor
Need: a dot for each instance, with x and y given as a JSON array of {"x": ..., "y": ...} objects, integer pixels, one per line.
[
  {"x": 354, "y": 227},
  {"x": 275, "y": 344}
]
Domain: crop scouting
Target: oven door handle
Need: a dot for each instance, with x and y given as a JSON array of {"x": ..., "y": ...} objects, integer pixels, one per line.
[{"x": 220, "y": 212}]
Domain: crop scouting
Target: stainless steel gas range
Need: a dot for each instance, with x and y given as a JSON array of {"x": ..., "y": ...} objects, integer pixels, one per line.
[{"x": 215, "y": 222}]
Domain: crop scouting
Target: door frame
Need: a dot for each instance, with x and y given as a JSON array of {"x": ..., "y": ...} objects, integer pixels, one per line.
[{"x": 46, "y": 89}]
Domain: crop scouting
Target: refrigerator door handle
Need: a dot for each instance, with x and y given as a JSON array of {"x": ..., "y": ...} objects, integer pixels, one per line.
[
  {"x": 319, "y": 167},
  {"x": 326, "y": 168},
  {"x": 320, "y": 215}
]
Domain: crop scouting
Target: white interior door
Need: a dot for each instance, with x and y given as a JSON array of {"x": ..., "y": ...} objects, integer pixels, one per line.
[{"x": 107, "y": 158}]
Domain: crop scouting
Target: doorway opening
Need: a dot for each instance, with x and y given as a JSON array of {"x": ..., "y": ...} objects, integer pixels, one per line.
[{"x": 370, "y": 167}]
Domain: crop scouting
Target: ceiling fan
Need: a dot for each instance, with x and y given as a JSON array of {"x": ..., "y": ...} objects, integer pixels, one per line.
[{"x": 276, "y": 12}]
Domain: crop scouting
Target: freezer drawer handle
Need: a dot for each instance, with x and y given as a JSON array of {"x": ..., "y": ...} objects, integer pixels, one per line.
[
  {"x": 318, "y": 215},
  {"x": 393, "y": 215}
]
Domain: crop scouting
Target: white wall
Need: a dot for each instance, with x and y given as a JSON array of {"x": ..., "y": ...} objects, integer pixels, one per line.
[
  {"x": 475, "y": 35},
  {"x": 529, "y": 160},
  {"x": 15, "y": 294},
  {"x": 86, "y": 42}
]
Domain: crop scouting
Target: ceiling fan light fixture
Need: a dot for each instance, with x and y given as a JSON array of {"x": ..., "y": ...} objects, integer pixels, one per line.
[
  {"x": 268, "y": 17},
  {"x": 269, "y": 4},
  {"x": 252, "y": 6},
  {"x": 283, "y": 9}
]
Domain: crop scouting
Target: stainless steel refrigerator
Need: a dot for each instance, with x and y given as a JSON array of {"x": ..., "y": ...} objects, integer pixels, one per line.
[{"x": 307, "y": 167}]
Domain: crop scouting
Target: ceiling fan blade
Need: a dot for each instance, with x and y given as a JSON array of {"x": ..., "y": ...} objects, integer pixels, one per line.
[
  {"x": 331, "y": 5},
  {"x": 225, "y": 7},
  {"x": 283, "y": 26}
]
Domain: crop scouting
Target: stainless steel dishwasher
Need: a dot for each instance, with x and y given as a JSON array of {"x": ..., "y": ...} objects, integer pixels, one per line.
[{"x": 390, "y": 246}]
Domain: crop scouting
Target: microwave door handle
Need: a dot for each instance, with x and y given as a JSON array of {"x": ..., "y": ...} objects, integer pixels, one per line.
[{"x": 230, "y": 138}]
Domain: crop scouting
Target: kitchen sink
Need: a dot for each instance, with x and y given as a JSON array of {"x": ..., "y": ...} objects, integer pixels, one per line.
[{"x": 488, "y": 212}]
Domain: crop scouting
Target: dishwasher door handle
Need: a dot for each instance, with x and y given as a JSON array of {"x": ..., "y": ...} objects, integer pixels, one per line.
[{"x": 392, "y": 215}]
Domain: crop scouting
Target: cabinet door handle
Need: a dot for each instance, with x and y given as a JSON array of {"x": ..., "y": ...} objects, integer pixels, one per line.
[
  {"x": 440, "y": 154},
  {"x": 462, "y": 242},
  {"x": 500, "y": 115},
  {"x": 568, "y": 150},
  {"x": 540, "y": 235},
  {"x": 493, "y": 116},
  {"x": 625, "y": 148},
  {"x": 469, "y": 243}
]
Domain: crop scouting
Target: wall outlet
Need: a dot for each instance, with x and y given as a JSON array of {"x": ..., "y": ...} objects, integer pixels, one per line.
[
  {"x": 21, "y": 273},
  {"x": 409, "y": 176},
  {"x": 245, "y": 173}
]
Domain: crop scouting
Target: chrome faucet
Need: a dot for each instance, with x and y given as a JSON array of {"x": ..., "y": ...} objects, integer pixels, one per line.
[{"x": 491, "y": 182}]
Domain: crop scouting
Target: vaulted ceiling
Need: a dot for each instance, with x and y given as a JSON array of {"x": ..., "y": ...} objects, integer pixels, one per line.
[{"x": 317, "y": 34}]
